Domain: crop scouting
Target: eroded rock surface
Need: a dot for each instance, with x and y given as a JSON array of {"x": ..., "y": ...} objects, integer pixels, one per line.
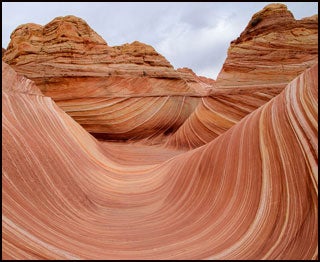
[
  {"x": 210, "y": 169},
  {"x": 273, "y": 48},
  {"x": 72, "y": 64},
  {"x": 251, "y": 193}
]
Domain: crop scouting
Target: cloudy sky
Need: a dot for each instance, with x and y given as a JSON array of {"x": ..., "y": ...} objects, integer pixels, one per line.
[{"x": 189, "y": 34}]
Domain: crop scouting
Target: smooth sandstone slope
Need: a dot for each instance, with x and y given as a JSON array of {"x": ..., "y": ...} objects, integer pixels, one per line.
[
  {"x": 217, "y": 113},
  {"x": 120, "y": 92},
  {"x": 273, "y": 49},
  {"x": 249, "y": 194}
]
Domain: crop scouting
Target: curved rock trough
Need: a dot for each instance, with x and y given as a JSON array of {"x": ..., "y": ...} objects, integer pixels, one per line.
[{"x": 111, "y": 153}]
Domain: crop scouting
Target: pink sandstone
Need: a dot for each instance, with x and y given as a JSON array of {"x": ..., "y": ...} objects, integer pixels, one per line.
[
  {"x": 99, "y": 85},
  {"x": 273, "y": 49},
  {"x": 72, "y": 64},
  {"x": 249, "y": 194},
  {"x": 224, "y": 169}
]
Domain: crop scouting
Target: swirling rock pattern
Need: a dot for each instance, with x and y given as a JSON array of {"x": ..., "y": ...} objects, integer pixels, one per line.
[
  {"x": 72, "y": 64},
  {"x": 273, "y": 49},
  {"x": 251, "y": 193},
  {"x": 218, "y": 112},
  {"x": 222, "y": 169},
  {"x": 131, "y": 92}
]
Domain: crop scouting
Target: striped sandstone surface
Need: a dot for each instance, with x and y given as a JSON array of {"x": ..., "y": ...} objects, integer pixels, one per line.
[
  {"x": 209, "y": 170},
  {"x": 273, "y": 49},
  {"x": 131, "y": 92},
  {"x": 251, "y": 193},
  {"x": 120, "y": 92}
]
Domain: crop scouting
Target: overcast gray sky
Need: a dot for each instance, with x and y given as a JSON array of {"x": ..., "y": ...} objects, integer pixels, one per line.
[{"x": 188, "y": 34}]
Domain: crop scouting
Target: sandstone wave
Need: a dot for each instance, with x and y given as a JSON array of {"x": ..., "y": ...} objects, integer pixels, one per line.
[
  {"x": 111, "y": 153},
  {"x": 244, "y": 195}
]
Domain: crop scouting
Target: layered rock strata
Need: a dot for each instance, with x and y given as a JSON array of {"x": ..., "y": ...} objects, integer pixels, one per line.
[
  {"x": 131, "y": 92},
  {"x": 273, "y": 48},
  {"x": 216, "y": 113},
  {"x": 89, "y": 79},
  {"x": 251, "y": 193},
  {"x": 248, "y": 191}
]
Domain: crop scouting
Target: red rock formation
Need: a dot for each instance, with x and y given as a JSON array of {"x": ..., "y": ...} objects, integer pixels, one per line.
[
  {"x": 217, "y": 113},
  {"x": 68, "y": 48},
  {"x": 273, "y": 48},
  {"x": 3, "y": 51},
  {"x": 250, "y": 75},
  {"x": 72, "y": 64},
  {"x": 17, "y": 83},
  {"x": 249, "y": 194},
  {"x": 132, "y": 92},
  {"x": 204, "y": 79}
]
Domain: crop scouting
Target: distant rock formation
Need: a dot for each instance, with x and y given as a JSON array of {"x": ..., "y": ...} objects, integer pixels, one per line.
[
  {"x": 68, "y": 47},
  {"x": 273, "y": 48},
  {"x": 3, "y": 51},
  {"x": 98, "y": 85}
]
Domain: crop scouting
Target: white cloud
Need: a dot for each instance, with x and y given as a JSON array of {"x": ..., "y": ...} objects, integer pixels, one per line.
[{"x": 197, "y": 48}]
